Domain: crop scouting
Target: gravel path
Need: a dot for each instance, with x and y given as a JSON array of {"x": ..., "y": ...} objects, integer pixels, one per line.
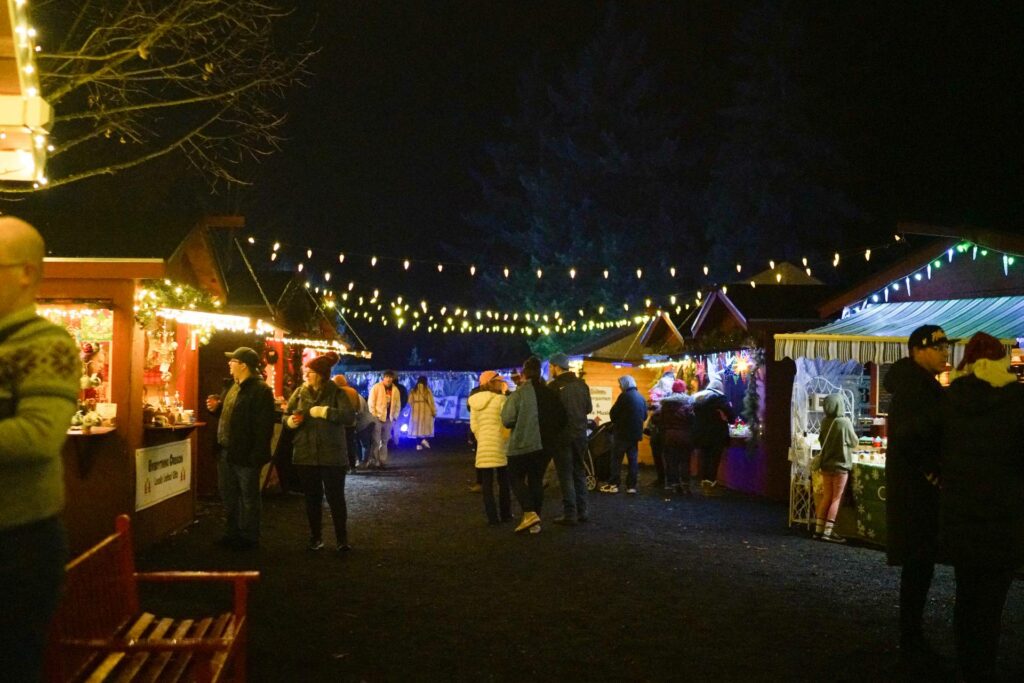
[{"x": 653, "y": 588}]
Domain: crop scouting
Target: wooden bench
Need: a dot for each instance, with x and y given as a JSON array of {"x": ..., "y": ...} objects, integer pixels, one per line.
[{"x": 100, "y": 634}]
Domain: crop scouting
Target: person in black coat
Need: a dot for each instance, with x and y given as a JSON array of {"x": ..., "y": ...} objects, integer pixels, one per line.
[
  {"x": 712, "y": 414},
  {"x": 244, "y": 432},
  {"x": 627, "y": 415},
  {"x": 911, "y": 474},
  {"x": 982, "y": 498}
]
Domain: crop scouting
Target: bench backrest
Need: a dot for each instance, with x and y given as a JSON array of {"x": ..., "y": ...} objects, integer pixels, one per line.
[{"x": 100, "y": 596}]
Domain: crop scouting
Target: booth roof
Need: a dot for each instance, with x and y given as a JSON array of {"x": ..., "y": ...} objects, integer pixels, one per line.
[{"x": 879, "y": 333}]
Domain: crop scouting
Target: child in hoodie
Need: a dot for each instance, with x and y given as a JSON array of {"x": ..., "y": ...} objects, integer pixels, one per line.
[
  {"x": 491, "y": 445},
  {"x": 838, "y": 438}
]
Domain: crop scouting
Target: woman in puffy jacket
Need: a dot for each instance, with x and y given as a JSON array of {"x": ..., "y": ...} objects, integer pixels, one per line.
[
  {"x": 674, "y": 419},
  {"x": 982, "y": 498},
  {"x": 491, "y": 445},
  {"x": 838, "y": 439},
  {"x": 319, "y": 411}
]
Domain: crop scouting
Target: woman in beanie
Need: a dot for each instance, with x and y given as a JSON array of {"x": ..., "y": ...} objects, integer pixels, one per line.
[
  {"x": 421, "y": 422},
  {"x": 319, "y": 411},
  {"x": 674, "y": 419},
  {"x": 982, "y": 497}
]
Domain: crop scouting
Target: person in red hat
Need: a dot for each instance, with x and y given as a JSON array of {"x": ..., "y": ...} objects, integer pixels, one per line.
[
  {"x": 319, "y": 411},
  {"x": 982, "y": 498}
]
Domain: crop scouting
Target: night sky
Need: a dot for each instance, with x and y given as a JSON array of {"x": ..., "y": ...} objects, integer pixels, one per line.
[{"x": 921, "y": 100}]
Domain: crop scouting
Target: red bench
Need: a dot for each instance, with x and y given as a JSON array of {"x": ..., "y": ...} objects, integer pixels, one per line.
[{"x": 100, "y": 633}]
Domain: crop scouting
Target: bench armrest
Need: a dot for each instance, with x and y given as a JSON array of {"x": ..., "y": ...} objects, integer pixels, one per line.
[{"x": 197, "y": 576}]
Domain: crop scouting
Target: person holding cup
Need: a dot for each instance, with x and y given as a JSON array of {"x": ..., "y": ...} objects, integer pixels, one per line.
[{"x": 318, "y": 412}]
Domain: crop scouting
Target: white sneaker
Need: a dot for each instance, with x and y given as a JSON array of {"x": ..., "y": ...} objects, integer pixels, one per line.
[
  {"x": 529, "y": 520},
  {"x": 419, "y": 447},
  {"x": 426, "y": 444},
  {"x": 631, "y": 491},
  {"x": 535, "y": 529}
]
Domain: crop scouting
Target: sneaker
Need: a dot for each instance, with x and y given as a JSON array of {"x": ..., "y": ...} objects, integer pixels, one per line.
[
  {"x": 633, "y": 491},
  {"x": 610, "y": 488},
  {"x": 426, "y": 444},
  {"x": 711, "y": 488},
  {"x": 530, "y": 519},
  {"x": 535, "y": 529},
  {"x": 315, "y": 544},
  {"x": 833, "y": 538},
  {"x": 565, "y": 520},
  {"x": 419, "y": 447},
  {"x": 343, "y": 548}
]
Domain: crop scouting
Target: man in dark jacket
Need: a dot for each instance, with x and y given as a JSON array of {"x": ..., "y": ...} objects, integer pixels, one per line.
[
  {"x": 711, "y": 417},
  {"x": 911, "y": 473},
  {"x": 627, "y": 416},
  {"x": 246, "y": 425},
  {"x": 574, "y": 394},
  {"x": 982, "y": 499}
]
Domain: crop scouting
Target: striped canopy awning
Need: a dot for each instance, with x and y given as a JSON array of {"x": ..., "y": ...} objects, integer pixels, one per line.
[{"x": 879, "y": 333}]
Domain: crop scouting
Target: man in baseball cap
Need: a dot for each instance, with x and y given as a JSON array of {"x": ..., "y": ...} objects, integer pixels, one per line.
[
  {"x": 245, "y": 355},
  {"x": 912, "y": 479}
]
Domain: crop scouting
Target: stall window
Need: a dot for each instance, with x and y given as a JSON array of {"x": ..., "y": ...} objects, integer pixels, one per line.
[
  {"x": 92, "y": 327},
  {"x": 159, "y": 369}
]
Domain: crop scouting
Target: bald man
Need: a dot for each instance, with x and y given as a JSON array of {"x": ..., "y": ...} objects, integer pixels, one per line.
[{"x": 39, "y": 375}]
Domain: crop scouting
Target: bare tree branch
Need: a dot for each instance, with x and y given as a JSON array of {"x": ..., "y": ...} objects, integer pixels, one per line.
[{"x": 134, "y": 80}]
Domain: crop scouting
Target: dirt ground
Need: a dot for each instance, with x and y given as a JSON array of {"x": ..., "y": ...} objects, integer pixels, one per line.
[{"x": 652, "y": 588}]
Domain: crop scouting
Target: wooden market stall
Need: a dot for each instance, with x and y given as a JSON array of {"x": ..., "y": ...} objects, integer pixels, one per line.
[{"x": 951, "y": 284}]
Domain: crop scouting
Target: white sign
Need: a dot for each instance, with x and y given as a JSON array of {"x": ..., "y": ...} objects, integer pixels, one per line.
[
  {"x": 162, "y": 472},
  {"x": 601, "y": 399}
]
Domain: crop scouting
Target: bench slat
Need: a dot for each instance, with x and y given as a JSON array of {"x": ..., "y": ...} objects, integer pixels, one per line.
[
  {"x": 139, "y": 659},
  {"x": 220, "y": 659},
  {"x": 177, "y": 668},
  {"x": 101, "y": 672},
  {"x": 162, "y": 658}
]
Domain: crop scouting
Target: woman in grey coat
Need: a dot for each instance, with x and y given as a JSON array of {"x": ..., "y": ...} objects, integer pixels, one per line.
[{"x": 319, "y": 411}]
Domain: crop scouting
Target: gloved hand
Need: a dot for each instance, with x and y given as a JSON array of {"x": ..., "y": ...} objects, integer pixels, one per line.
[
  {"x": 293, "y": 422},
  {"x": 318, "y": 411}
]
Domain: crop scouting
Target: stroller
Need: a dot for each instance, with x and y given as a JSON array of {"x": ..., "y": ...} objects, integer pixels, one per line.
[{"x": 599, "y": 447}]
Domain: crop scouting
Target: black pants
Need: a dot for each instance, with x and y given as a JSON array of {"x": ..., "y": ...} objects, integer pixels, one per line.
[
  {"x": 710, "y": 458},
  {"x": 980, "y": 596},
  {"x": 486, "y": 477},
  {"x": 32, "y": 559},
  {"x": 318, "y": 480},
  {"x": 658, "y": 455},
  {"x": 915, "y": 580},
  {"x": 352, "y": 445},
  {"x": 527, "y": 474}
]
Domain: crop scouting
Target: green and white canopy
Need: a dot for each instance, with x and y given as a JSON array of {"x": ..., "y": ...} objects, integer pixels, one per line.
[{"x": 879, "y": 332}]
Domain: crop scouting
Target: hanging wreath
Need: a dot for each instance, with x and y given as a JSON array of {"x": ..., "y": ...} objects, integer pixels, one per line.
[{"x": 752, "y": 398}]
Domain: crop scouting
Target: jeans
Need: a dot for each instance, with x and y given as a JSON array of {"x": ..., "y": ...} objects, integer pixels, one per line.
[
  {"x": 980, "y": 597},
  {"x": 629, "y": 449},
  {"x": 379, "y": 445},
  {"x": 527, "y": 474},
  {"x": 364, "y": 439},
  {"x": 352, "y": 446},
  {"x": 318, "y": 480},
  {"x": 32, "y": 559},
  {"x": 486, "y": 476},
  {"x": 677, "y": 464},
  {"x": 240, "y": 492},
  {"x": 572, "y": 477}
]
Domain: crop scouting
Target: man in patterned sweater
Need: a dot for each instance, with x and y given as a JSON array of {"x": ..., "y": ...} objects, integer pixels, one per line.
[{"x": 39, "y": 375}]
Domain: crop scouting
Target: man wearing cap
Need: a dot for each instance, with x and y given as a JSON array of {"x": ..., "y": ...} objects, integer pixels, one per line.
[
  {"x": 246, "y": 425},
  {"x": 571, "y": 450},
  {"x": 912, "y": 478}
]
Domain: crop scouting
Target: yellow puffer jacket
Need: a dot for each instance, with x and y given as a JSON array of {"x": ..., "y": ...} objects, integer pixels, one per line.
[{"x": 491, "y": 435}]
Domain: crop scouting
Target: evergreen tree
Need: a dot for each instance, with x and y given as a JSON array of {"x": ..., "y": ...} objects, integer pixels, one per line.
[
  {"x": 587, "y": 176},
  {"x": 774, "y": 190}
]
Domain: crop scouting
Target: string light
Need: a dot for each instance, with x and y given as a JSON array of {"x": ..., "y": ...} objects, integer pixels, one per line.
[
  {"x": 572, "y": 273},
  {"x": 440, "y": 267},
  {"x": 472, "y": 270},
  {"x": 706, "y": 270},
  {"x": 672, "y": 271},
  {"x": 341, "y": 258},
  {"x": 373, "y": 261},
  {"x": 405, "y": 264},
  {"x": 639, "y": 274}
]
